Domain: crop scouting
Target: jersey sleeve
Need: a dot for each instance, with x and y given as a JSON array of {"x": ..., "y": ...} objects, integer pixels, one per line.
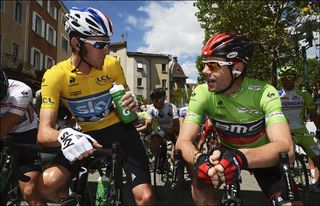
[
  {"x": 20, "y": 97},
  {"x": 270, "y": 102},
  {"x": 51, "y": 88},
  {"x": 197, "y": 103}
]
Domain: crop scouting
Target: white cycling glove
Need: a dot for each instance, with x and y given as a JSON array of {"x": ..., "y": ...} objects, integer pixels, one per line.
[{"x": 74, "y": 143}]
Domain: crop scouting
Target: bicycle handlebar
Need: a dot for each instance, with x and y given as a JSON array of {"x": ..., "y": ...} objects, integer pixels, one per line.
[{"x": 285, "y": 169}]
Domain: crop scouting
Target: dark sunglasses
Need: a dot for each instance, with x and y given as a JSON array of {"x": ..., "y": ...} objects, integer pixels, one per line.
[{"x": 97, "y": 44}]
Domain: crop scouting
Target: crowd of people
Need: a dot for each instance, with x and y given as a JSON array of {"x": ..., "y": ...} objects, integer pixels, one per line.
[{"x": 250, "y": 117}]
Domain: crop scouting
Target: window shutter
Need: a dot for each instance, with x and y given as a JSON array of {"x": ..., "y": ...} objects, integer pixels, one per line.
[
  {"x": 41, "y": 62},
  {"x": 32, "y": 56},
  {"x": 43, "y": 28},
  {"x": 33, "y": 21},
  {"x": 54, "y": 38}
]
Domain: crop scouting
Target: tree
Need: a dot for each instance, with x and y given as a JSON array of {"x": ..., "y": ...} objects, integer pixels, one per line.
[{"x": 269, "y": 24}]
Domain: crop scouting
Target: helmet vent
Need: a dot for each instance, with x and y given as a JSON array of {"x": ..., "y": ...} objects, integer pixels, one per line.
[
  {"x": 91, "y": 23},
  {"x": 75, "y": 24}
]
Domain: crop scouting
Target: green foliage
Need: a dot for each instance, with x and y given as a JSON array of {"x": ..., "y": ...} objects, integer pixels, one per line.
[{"x": 267, "y": 23}]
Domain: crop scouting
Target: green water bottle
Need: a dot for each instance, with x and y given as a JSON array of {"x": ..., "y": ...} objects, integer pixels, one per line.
[
  {"x": 117, "y": 91},
  {"x": 102, "y": 189},
  {"x": 3, "y": 177}
]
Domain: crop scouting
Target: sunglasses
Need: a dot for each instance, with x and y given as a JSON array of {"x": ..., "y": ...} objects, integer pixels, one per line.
[
  {"x": 97, "y": 44},
  {"x": 216, "y": 65}
]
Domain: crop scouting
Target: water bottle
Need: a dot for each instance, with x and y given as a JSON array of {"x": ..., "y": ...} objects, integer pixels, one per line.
[
  {"x": 117, "y": 91},
  {"x": 3, "y": 177},
  {"x": 102, "y": 189}
]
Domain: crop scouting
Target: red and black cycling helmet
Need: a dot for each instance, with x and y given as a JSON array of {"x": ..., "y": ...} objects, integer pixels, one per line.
[
  {"x": 230, "y": 46},
  {"x": 4, "y": 84}
]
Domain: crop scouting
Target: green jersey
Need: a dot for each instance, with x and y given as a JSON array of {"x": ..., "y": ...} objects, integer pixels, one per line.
[{"x": 240, "y": 119}]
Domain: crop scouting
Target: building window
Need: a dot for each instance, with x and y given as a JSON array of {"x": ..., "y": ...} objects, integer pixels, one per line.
[
  {"x": 164, "y": 69},
  {"x": 64, "y": 44},
  {"x": 2, "y": 5},
  {"x": 49, "y": 62},
  {"x": 18, "y": 12},
  {"x": 164, "y": 83},
  {"x": 40, "y": 2},
  {"x": 15, "y": 52},
  {"x": 38, "y": 24},
  {"x": 139, "y": 82},
  {"x": 51, "y": 35},
  {"x": 36, "y": 59},
  {"x": 52, "y": 10},
  {"x": 139, "y": 65}
]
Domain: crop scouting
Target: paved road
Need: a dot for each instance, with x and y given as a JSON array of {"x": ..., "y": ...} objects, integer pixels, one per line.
[{"x": 250, "y": 193}]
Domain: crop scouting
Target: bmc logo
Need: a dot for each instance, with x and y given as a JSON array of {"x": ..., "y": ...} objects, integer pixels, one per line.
[{"x": 243, "y": 129}]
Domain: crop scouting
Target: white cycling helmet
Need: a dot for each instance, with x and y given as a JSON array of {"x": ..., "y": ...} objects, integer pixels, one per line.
[{"x": 88, "y": 22}]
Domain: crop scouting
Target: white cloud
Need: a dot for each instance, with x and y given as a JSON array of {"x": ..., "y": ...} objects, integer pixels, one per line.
[
  {"x": 132, "y": 20},
  {"x": 172, "y": 28}
]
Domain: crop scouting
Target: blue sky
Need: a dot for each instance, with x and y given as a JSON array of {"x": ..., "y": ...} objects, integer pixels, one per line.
[{"x": 166, "y": 27}]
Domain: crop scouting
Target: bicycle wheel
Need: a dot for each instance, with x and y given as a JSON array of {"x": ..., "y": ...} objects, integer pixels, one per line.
[
  {"x": 300, "y": 172},
  {"x": 162, "y": 174},
  {"x": 11, "y": 194}
]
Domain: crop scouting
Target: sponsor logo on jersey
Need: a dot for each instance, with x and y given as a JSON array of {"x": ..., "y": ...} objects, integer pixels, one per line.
[
  {"x": 240, "y": 129},
  {"x": 271, "y": 94},
  {"x": 72, "y": 82},
  {"x": 292, "y": 105},
  {"x": 254, "y": 88},
  {"x": 24, "y": 93},
  {"x": 103, "y": 80},
  {"x": 192, "y": 115},
  {"x": 274, "y": 114},
  {"x": 91, "y": 108},
  {"x": 75, "y": 93},
  {"x": 47, "y": 100},
  {"x": 246, "y": 110}
]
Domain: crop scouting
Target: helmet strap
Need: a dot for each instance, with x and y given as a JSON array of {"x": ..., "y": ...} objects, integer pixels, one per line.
[
  {"x": 235, "y": 74},
  {"x": 81, "y": 55}
]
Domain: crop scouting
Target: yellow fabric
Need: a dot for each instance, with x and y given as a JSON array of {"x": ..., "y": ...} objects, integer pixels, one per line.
[{"x": 85, "y": 95}]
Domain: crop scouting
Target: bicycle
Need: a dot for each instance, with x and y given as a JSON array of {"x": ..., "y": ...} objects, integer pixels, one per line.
[
  {"x": 108, "y": 163},
  {"x": 105, "y": 161},
  {"x": 11, "y": 194},
  {"x": 167, "y": 174}
]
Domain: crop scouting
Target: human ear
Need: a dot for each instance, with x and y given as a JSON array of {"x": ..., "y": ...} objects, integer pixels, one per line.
[{"x": 237, "y": 70}]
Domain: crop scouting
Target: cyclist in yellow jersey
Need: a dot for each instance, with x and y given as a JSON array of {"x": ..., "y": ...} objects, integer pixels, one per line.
[{"x": 82, "y": 83}]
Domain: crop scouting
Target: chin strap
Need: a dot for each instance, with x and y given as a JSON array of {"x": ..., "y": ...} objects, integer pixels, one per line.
[{"x": 82, "y": 59}]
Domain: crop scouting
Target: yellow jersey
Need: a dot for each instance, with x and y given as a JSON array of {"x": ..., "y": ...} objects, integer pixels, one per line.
[{"x": 85, "y": 95}]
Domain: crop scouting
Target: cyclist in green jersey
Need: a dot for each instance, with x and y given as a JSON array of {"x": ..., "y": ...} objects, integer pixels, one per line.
[
  {"x": 248, "y": 119},
  {"x": 295, "y": 105}
]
